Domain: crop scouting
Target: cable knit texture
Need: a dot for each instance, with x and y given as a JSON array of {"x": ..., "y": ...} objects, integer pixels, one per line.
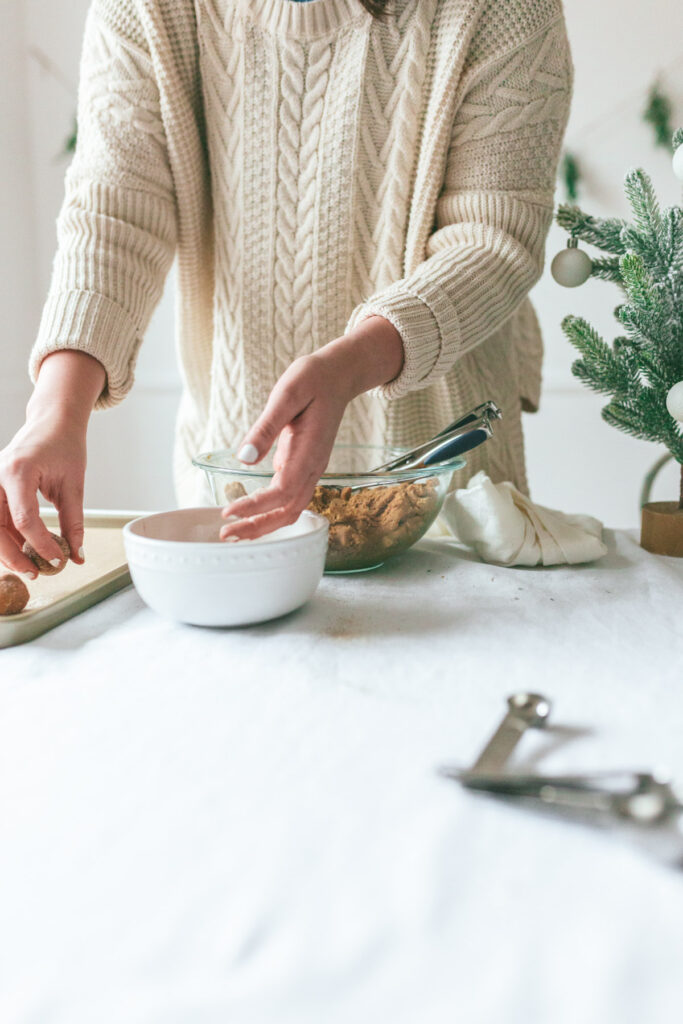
[{"x": 310, "y": 166}]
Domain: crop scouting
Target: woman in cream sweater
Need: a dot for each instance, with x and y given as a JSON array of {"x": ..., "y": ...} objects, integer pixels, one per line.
[{"x": 358, "y": 194}]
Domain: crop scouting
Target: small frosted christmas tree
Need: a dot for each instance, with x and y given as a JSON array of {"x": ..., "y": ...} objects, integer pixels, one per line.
[{"x": 642, "y": 370}]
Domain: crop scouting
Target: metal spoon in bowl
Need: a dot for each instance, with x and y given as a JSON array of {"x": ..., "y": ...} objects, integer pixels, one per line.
[{"x": 462, "y": 436}]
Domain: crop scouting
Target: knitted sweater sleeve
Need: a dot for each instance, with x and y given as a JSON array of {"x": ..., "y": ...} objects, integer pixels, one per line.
[
  {"x": 493, "y": 213},
  {"x": 116, "y": 230}
]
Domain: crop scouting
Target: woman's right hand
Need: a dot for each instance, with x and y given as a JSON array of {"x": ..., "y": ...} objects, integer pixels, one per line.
[{"x": 48, "y": 454}]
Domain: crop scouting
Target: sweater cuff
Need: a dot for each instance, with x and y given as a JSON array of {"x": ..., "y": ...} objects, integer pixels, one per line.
[
  {"x": 429, "y": 330},
  {"x": 88, "y": 322}
]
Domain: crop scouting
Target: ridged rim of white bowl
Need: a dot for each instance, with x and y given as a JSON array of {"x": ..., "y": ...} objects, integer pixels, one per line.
[{"x": 251, "y": 561}]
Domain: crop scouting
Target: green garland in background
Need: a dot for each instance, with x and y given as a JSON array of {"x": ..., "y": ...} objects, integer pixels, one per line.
[
  {"x": 571, "y": 175},
  {"x": 70, "y": 143},
  {"x": 658, "y": 113}
]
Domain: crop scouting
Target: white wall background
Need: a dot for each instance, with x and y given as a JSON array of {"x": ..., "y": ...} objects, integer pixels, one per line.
[
  {"x": 129, "y": 449},
  {"x": 576, "y": 462}
]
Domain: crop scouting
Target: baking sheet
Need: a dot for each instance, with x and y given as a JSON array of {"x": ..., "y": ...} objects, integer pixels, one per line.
[{"x": 54, "y": 599}]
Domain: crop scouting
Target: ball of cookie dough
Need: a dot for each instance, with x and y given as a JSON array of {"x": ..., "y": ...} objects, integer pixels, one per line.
[
  {"x": 14, "y": 594},
  {"x": 233, "y": 490},
  {"x": 44, "y": 566}
]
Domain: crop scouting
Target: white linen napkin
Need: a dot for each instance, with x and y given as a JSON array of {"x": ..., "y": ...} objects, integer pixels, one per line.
[{"x": 505, "y": 527}]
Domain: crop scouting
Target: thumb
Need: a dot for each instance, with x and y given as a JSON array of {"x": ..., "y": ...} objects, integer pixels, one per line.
[
  {"x": 71, "y": 522},
  {"x": 286, "y": 401}
]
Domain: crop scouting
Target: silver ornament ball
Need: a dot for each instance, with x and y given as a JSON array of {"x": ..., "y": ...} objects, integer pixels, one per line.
[
  {"x": 674, "y": 401},
  {"x": 572, "y": 266},
  {"x": 678, "y": 162}
]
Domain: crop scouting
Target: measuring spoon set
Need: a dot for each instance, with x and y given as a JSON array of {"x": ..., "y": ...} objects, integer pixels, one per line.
[{"x": 638, "y": 798}]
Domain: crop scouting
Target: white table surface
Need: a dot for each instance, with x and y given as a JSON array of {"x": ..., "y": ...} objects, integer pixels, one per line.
[{"x": 247, "y": 825}]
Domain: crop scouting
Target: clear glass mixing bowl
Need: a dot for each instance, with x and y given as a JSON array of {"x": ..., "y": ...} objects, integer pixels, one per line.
[{"x": 372, "y": 518}]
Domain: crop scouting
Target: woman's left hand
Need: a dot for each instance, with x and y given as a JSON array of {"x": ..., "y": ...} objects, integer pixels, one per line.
[{"x": 303, "y": 412}]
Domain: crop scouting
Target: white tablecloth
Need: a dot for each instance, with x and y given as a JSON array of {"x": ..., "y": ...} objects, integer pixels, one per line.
[{"x": 203, "y": 826}]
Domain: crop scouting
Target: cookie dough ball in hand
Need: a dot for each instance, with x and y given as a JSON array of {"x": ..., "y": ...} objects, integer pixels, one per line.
[
  {"x": 43, "y": 566},
  {"x": 14, "y": 594}
]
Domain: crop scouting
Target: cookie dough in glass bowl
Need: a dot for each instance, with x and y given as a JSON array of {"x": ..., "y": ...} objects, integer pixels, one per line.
[{"x": 372, "y": 517}]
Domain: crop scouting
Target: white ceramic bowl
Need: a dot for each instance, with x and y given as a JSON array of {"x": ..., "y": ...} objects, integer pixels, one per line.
[{"x": 184, "y": 571}]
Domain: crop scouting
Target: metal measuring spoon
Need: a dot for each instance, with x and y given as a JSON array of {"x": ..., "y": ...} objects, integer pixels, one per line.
[
  {"x": 525, "y": 711},
  {"x": 642, "y": 799}
]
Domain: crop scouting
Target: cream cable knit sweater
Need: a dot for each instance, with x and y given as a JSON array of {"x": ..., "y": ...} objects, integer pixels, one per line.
[{"x": 310, "y": 165}]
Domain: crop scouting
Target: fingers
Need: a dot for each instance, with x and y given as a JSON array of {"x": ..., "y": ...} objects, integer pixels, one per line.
[
  {"x": 258, "y": 526},
  {"x": 263, "y": 500},
  {"x": 278, "y": 497},
  {"x": 288, "y": 399},
  {"x": 10, "y": 544},
  {"x": 275, "y": 495},
  {"x": 21, "y": 492},
  {"x": 304, "y": 410},
  {"x": 12, "y": 557},
  {"x": 284, "y": 446},
  {"x": 71, "y": 522},
  {"x": 267, "y": 510},
  {"x": 272, "y": 507}
]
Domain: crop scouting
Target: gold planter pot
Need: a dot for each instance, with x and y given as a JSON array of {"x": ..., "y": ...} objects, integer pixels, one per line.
[{"x": 661, "y": 530}]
